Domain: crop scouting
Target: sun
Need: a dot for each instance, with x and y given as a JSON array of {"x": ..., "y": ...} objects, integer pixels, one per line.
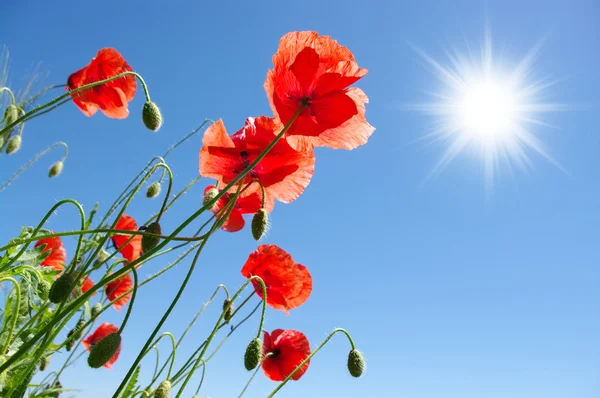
[{"x": 489, "y": 108}]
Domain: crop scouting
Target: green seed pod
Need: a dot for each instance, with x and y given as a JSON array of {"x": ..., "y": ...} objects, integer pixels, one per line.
[
  {"x": 55, "y": 169},
  {"x": 253, "y": 353},
  {"x": 151, "y": 116},
  {"x": 209, "y": 196},
  {"x": 150, "y": 242},
  {"x": 61, "y": 288},
  {"x": 356, "y": 363},
  {"x": 96, "y": 310},
  {"x": 260, "y": 221},
  {"x": 11, "y": 114},
  {"x": 104, "y": 350},
  {"x": 14, "y": 144},
  {"x": 153, "y": 190},
  {"x": 44, "y": 362},
  {"x": 75, "y": 334},
  {"x": 43, "y": 289},
  {"x": 228, "y": 308},
  {"x": 163, "y": 390}
]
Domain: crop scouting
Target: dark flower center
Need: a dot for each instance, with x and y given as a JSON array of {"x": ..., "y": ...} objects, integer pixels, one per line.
[
  {"x": 275, "y": 353},
  {"x": 245, "y": 163}
]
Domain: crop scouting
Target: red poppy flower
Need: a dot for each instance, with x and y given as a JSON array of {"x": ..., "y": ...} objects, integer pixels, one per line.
[
  {"x": 287, "y": 349},
  {"x": 101, "y": 332},
  {"x": 283, "y": 172},
  {"x": 244, "y": 205},
  {"x": 288, "y": 284},
  {"x": 87, "y": 285},
  {"x": 315, "y": 71},
  {"x": 117, "y": 288},
  {"x": 132, "y": 250},
  {"x": 111, "y": 98},
  {"x": 58, "y": 254}
]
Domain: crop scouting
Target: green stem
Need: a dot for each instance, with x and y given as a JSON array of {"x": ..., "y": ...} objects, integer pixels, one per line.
[
  {"x": 253, "y": 375},
  {"x": 310, "y": 356},
  {"x": 12, "y": 96},
  {"x": 15, "y": 316},
  {"x": 129, "y": 308},
  {"x": 32, "y": 161}
]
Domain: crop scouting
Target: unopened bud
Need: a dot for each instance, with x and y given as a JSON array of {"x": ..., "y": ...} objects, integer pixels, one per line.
[
  {"x": 228, "y": 308},
  {"x": 356, "y": 363},
  {"x": 96, "y": 309},
  {"x": 209, "y": 196},
  {"x": 44, "y": 362},
  {"x": 163, "y": 390},
  {"x": 55, "y": 169},
  {"x": 153, "y": 190},
  {"x": 149, "y": 242},
  {"x": 43, "y": 289},
  {"x": 75, "y": 334},
  {"x": 104, "y": 350},
  {"x": 151, "y": 116},
  {"x": 11, "y": 114},
  {"x": 260, "y": 221},
  {"x": 23, "y": 305},
  {"x": 61, "y": 288},
  {"x": 14, "y": 144},
  {"x": 252, "y": 355}
]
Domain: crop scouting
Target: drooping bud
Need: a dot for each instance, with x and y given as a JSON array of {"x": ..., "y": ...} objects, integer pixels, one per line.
[
  {"x": 96, "y": 309},
  {"x": 43, "y": 289},
  {"x": 75, "y": 334},
  {"x": 11, "y": 114},
  {"x": 252, "y": 355},
  {"x": 209, "y": 196},
  {"x": 153, "y": 190},
  {"x": 356, "y": 363},
  {"x": 149, "y": 242},
  {"x": 100, "y": 258},
  {"x": 104, "y": 350},
  {"x": 163, "y": 390},
  {"x": 44, "y": 362},
  {"x": 14, "y": 144},
  {"x": 55, "y": 169},
  {"x": 61, "y": 288},
  {"x": 151, "y": 116},
  {"x": 228, "y": 308},
  {"x": 260, "y": 221}
]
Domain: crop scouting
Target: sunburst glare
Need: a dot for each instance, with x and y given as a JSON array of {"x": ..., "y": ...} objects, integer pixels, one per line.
[{"x": 488, "y": 108}]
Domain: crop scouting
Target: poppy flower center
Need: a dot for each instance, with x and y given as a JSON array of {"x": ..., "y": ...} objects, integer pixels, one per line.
[
  {"x": 275, "y": 353},
  {"x": 245, "y": 163}
]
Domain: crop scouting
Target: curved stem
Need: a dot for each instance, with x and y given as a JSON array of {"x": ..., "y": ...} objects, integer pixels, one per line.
[
  {"x": 168, "y": 194},
  {"x": 12, "y": 96},
  {"x": 201, "y": 378},
  {"x": 32, "y": 161},
  {"x": 13, "y": 324},
  {"x": 130, "y": 307},
  {"x": 310, "y": 356}
]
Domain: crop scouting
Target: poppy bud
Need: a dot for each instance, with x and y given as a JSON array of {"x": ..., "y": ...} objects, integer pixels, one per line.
[
  {"x": 228, "y": 308},
  {"x": 55, "y": 169},
  {"x": 23, "y": 305},
  {"x": 100, "y": 258},
  {"x": 151, "y": 116},
  {"x": 104, "y": 350},
  {"x": 61, "y": 288},
  {"x": 14, "y": 144},
  {"x": 153, "y": 190},
  {"x": 252, "y": 355},
  {"x": 96, "y": 309},
  {"x": 11, "y": 114},
  {"x": 356, "y": 363},
  {"x": 147, "y": 393},
  {"x": 44, "y": 362},
  {"x": 150, "y": 242},
  {"x": 260, "y": 222},
  {"x": 75, "y": 334},
  {"x": 209, "y": 196},
  {"x": 43, "y": 289},
  {"x": 163, "y": 390}
]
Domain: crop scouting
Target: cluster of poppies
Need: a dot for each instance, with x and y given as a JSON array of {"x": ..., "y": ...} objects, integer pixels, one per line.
[
  {"x": 118, "y": 292},
  {"x": 308, "y": 90}
]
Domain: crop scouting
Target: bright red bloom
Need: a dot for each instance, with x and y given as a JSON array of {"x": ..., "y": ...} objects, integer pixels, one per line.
[
  {"x": 316, "y": 71},
  {"x": 111, "y": 98},
  {"x": 283, "y": 172},
  {"x": 288, "y": 348},
  {"x": 117, "y": 288},
  {"x": 244, "y": 205},
  {"x": 132, "y": 250},
  {"x": 288, "y": 284},
  {"x": 58, "y": 255},
  {"x": 100, "y": 333},
  {"x": 87, "y": 285}
]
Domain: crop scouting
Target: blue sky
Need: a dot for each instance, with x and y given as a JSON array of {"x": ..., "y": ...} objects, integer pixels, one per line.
[{"x": 447, "y": 293}]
